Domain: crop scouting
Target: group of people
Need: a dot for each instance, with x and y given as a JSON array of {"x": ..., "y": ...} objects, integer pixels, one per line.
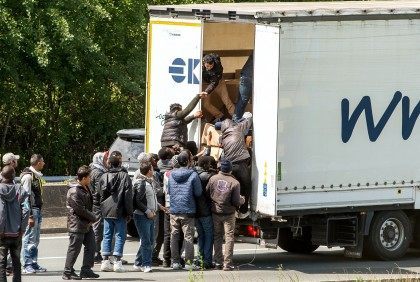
[{"x": 20, "y": 217}]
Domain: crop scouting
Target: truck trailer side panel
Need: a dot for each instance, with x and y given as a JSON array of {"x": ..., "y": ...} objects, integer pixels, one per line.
[{"x": 348, "y": 106}]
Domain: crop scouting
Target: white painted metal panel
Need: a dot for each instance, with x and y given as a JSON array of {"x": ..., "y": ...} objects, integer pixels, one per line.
[
  {"x": 266, "y": 57},
  {"x": 174, "y": 73},
  {"x": 321, "y": 65}
]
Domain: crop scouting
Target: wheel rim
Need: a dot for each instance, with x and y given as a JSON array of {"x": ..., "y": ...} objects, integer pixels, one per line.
[{"x": 391, "y": 234}]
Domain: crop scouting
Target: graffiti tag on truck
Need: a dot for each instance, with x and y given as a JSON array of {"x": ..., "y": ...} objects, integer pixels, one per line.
[{"x": 374, "y": 131}]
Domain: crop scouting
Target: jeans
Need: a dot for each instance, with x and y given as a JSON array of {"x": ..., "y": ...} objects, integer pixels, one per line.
[
  {"x": 159, "y": 236},
  {"x": 204, "y": 227},
  {"x": 13, "y": 245},
  {"x": 75, "y": 245},
  {"x": 245, "y": 88},
  {"x": 241, "y": 172},
  {"x": 185, "y": 223},
  {"x": 224, "y": 225},
  {"x": 119, "y": 226},
  {"x": 30, "y": 240},
  {"x": 145, "y": 228}
]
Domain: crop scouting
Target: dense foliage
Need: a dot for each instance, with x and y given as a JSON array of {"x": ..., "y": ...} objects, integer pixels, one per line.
[{"x": 71, "y": 74}]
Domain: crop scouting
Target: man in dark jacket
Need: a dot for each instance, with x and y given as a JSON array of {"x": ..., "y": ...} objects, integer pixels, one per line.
[
  {"x": 235, "y": 151},
  {"x": 14, "y": 212},
  {"x": 116, "y": 208},
  {"x": 224, "y": 192},
  {"x": 98, "y": 167},
  {"x": 79, "y": 222},
  {"x": 183, "y": 185},
  {"x": 204, "y": 221},
  {"x": 175, "y": 130},
  {"x": 214, "y": 82}
]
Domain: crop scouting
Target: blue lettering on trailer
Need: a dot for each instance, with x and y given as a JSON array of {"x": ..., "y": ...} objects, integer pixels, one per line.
[
  {"x": 349, "y": 122},
  {"x": 177, "y": 70}
]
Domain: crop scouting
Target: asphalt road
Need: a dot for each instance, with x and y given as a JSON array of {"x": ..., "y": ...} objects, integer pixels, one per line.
[{"x": 254, "y": 264}]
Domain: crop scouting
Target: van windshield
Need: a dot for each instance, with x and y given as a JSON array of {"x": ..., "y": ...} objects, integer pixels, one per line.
[{"x": 130, "y": 148}]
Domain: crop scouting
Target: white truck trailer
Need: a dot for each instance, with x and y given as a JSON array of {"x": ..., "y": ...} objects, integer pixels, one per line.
[{"x": 336, "y": 92}]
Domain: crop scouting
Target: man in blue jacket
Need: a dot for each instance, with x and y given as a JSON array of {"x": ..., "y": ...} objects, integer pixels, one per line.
[{"x": 183, "y": 186}]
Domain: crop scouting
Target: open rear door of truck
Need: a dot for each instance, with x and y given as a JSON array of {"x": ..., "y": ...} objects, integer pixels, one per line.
[
  {"x": 265, "y": 102},
  {"x": 173, "y": 73}
]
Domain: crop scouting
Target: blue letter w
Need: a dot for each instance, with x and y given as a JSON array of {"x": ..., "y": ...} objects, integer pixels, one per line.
[{"x": 348, "y": 124}]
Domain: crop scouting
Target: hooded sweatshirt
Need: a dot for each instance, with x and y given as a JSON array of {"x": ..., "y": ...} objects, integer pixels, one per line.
[
  {"x": 97, "y": 169},
  {"x": 145, "y": 200},
  {"x": 14, "y": 210},
  {"x": 116, "y": 193},
  {"x": 183, "y": 186},
  {"x": 233, "y": 138}
]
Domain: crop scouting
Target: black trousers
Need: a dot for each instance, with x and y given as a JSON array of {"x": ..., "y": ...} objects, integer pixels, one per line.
[
  {"x": 160, "y": 236},
  {"x": 13, "y": 245},
  {"x": 243, "y": 175},
  {"x": 167, "y": 238},
  {"x": 75, "y": 245}
]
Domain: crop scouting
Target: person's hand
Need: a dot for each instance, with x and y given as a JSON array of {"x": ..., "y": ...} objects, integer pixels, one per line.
[
  {"x": 198, "y": 114},
  {"x": 31, "y": 222},
  {"x": 203, "y": 95},
  {"x": 151, "y": 215},
  {"x": 165, "y": 209}
]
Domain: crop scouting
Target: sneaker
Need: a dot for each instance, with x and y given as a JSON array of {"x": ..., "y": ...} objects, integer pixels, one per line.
[
  {"x": 218, "y": 266},
  {"x": 118, "y": 266},
  {"x": 157, "y": 262},
  {"x": 106, "y": 266},
  {"x": 137, "y": 268},
  {"x": 71, "y": 276},
  {"x": 166, "y": 263},
  {"x": 242, "y": 215},
  {"x": 228, "y": 268},
  {"x": 124, "y": 262},
  {"x": 147, "y": 269},
  {"x": 98, "y": 259},
  {"x": 28, "y": 269},
  {"x": 38, "y": 268},
  {"x": 176, "y": 266},
  {"x": 88, "y": 273},
  {"x": 191, "y": 267}
]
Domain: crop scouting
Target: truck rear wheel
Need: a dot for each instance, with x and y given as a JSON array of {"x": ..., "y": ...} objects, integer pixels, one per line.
[
  {"x": 390, "y": 235},
  {"x": 302, "y": 245}
]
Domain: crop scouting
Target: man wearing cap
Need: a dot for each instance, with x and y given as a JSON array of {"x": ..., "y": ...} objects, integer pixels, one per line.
[
  {"x": 224, "y": 191},
  {"x": 30, "y": 179},
  {"x": 175, "y": 131},
  {"x": 184, "y": 186},
  {"x": 234, "y": 150},
  {"x": 10, "y": 159}
]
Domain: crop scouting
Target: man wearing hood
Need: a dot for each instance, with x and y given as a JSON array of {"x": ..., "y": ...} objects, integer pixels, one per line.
[
  {"x": 116, "y": 208},
  {"x": 98, "y": 167},
  {"x": 32, "y": 184},
  {"x": 80, "y": 218},
  {"x": 14, "y": 212},
  {"x": 183, "y": 186},
  {"x": 175, "y": 130},
  {"x": 235, "y": 151}
]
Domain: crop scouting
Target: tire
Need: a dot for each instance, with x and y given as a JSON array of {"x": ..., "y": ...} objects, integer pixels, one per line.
[
  {"x": 301, "y": 245},
  {"x": 390, "y": 235},
  {"x": 131, "y": 229}
]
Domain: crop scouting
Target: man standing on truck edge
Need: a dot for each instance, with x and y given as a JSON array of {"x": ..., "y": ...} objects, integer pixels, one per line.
[
  {"x": 116, "y": 208},
  {"x": 32, "y": 184},
  {"x": 80, "y": 218},
  {"x": 224, "y": 192},
  {"x": 175, "y": 130},
  {"x": 235, "y": 151},
  {"x": 214, "y": 82},
  {"x": 98, "y": 167},
  {"x": 245, "y": 88}
]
